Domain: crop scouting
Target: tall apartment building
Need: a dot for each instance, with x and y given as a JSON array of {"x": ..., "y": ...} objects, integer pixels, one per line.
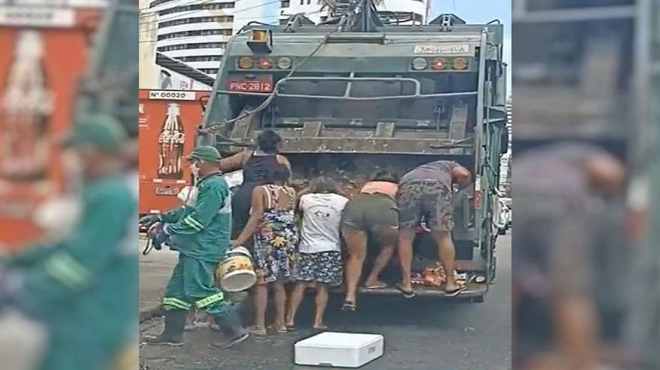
[{"x": 193, "y": 32}]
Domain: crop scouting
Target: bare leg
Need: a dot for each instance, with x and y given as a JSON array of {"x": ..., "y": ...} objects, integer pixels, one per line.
[
  {"x": 447, "y": 254},
  {"x": 321, "y": 304},
  {"x": 280, "y": 305},
  {"x": 260, "y": 304},
  {"x": 406, "y": 238},
  {"x": 296, "y": 298},
  {"x": 356, "y": 243},
  {"x": 387, "y": 237}
]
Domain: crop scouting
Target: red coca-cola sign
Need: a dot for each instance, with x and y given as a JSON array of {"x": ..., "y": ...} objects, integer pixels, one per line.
[{"x": 42, "y": 60}]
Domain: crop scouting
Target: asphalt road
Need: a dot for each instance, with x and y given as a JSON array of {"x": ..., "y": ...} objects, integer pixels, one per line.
[{"x": 419, "y": 334}]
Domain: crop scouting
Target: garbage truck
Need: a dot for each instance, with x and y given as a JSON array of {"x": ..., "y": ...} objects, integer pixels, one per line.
[{"x": 356, "y": 93}]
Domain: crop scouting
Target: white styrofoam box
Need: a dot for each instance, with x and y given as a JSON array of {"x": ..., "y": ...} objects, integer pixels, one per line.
[{"x": 339, "y": 349}]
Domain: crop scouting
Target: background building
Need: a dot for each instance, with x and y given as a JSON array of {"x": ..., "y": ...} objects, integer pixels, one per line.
[
  {"x": 413, "y": 11},
  {"x": 196, "y": 32},
  {"x": 193, "y": 32}
]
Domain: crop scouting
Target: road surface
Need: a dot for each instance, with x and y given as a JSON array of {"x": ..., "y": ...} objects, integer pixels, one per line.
[{"x": 419, "y": 334}]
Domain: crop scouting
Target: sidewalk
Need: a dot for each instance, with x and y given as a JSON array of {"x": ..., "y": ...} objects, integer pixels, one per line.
[{"x": 155, "y": 270}]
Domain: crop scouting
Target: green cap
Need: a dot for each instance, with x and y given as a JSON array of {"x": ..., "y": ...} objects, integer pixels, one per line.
[
  {"x": 100, "y": 131},
  {"x": 205, "y": 153}
]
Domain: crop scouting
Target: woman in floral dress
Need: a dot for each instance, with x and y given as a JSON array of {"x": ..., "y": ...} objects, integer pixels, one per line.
[{"x": 273, "y": 224}]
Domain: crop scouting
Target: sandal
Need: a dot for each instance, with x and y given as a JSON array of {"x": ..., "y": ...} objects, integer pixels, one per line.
[
  {"x": 407, "y": 294},
  {"x": 255, "y": 330},
  {"x": 279, "y": 330},
  {"x": 349, "y": 306},
  {"x": 376, "y": 286},
  {"x": 319, "y": 329},
  {"x": 454, "y": 292}
]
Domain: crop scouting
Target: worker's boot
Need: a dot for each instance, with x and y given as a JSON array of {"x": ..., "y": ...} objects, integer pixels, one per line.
[
  {"x": 175, "y": 321},
  {"x": 230, "y": 324}
]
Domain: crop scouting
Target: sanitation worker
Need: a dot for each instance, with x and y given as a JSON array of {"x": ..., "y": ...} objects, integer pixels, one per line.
[
  {"x": 83, "y": 290},
  {"x": 200, "y": 233}
]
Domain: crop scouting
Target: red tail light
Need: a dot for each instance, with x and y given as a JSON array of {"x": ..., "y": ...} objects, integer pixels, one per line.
[
  {"x": 476, "y": 200},
  {"x": 438, "y": 64},
  {"x": 265, "y": 63}
]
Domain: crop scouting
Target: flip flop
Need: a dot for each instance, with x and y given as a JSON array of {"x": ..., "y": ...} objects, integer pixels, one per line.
[
  {"x": 455, "y": 292},
  {"x": 349, "y": 306},
  {"x": 232, "y": 342},
  {"x": 260, "y": 332},
  {"x": 280, "y": 330},
  {"x": 407, "y": 294},
  {"x": 377, "y": 286},
  {"x": 291, "y": 327}
]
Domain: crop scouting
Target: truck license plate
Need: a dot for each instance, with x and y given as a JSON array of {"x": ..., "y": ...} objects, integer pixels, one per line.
[{"x": 251, "y": 85}]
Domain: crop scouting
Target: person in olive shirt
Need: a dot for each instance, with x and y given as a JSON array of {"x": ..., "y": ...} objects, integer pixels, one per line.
[
  {"x": 200, "y": 233},
  {"x": 84, "y": 289}
]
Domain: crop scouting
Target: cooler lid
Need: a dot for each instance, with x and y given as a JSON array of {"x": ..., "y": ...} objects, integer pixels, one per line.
[{"x": 339, "y": 340}]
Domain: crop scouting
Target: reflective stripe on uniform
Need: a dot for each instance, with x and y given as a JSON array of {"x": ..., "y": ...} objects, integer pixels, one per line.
[
  {"x": 193, "y": 223},
  {"x": 209, "y": 300},
  {"x": 226, "y": 208},
  {"x": 176, "y": 303},
  {"x": 67, "y": 270}
]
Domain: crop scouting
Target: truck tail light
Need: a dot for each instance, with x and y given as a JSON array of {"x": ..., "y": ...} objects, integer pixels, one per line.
[
  {"x": 245, "y": 63},
  {"x": 284, "y": 63},
  {"x": 265, "y": 63},
  {"x": 460, "y": 64},
  {"x": 419, "y": 64},
  {"x": 438, "y": 64}
]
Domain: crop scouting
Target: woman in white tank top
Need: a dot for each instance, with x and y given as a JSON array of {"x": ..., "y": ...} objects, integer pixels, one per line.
[{"x": 320, "y": 262}]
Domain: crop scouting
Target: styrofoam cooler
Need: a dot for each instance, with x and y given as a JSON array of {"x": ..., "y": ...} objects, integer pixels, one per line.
[{"x": 339, "y": 349}]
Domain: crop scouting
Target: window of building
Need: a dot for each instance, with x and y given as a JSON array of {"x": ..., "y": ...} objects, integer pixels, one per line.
[
  {"x": 285, "y": 4},
  {"x": 196, "y": 7},
  {"x": 201, "y": 58},
  {"x": 174, "y": 35},
  {"x": 202, "y": 45},
  {"x": 178, "y": 22},
  {"x": 158, "y": 2}
]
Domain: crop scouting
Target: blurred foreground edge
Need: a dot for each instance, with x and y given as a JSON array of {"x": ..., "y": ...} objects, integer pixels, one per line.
[
  {"x": 587, "y": 71},
  {"x": 57, "y": 62}
]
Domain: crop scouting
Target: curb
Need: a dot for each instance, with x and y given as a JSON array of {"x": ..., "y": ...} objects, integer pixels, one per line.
[{"x": 150, "y": 312}]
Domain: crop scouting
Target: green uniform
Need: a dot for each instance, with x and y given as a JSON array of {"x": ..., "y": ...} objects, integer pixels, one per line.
[
  {"x": 85, "y": 288},
  {"x": 200, "y": 234}
]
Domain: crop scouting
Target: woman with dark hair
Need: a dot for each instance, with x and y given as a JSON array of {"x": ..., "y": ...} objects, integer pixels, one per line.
[
  {"x": 273, "y": 224},
  {"x": 320, "y": 262},
  {"x": 256, "y": 165}
]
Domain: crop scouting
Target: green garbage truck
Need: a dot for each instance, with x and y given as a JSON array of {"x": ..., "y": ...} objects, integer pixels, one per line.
[{"x": 359, "y": 93}]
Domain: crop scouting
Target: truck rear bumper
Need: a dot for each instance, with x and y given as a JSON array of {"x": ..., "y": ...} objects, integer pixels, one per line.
[{"x": 472, "y": 291}]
